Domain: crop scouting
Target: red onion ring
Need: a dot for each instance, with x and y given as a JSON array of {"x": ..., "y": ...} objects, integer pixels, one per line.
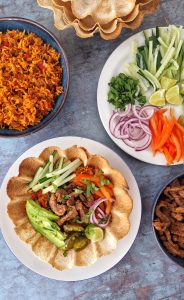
[
  {"x": 93, "y": 218},
  {"x": 101, "y": 212},
  {"x": 138, "y": 115},
  {"x": 132, "y": 126}
]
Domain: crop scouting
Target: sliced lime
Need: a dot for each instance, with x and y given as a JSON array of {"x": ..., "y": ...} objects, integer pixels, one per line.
[
  {"x": 182, "y": 88},
  {"x": 94, "y": 233},
  {"x": 167, "y": 83},
  {"x": 158, "y": 98},
  {"x": 173, "y": 95}
]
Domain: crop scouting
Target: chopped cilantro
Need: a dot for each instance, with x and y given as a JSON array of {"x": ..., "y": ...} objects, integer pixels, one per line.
[
  {"x": 65, "y": 197},
  {"x": 90, "y": 188},
  {"x": 103, "y": 180},
  {"x": 124, "y": 90},
  {"x": 87, "y": 215},
  {"x": 102, "y": 221},
  {"x": 78, "y": 191}
]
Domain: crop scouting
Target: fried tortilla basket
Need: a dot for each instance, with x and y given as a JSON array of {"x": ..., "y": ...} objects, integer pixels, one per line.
[
  {"x": 107, "y": 17},
  {"x": 18, "y": 192}
]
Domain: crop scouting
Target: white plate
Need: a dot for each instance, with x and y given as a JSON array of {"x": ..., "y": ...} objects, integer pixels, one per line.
[
  {"x": 116, "y": 64},
  {"x": 23, "y": 251}
]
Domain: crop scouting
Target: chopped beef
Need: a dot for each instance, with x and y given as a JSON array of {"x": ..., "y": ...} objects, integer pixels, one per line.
[
  {"x": 87, "y": 200},
  {"x": 70, "y": 202},
  {"x": 71, "y": 214},
  {"x": 59, "y": 194},
  {"x": 70, "y": 187},
  {"x": 81, "y": 209},
  {"x": 169, "y": 218},
  {"x": 58, "y": 209}
]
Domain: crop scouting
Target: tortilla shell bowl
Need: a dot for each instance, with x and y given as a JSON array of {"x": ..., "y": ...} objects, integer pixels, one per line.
[
  {"x": 176, "y": 259},
  {"x": 18, "y": 192},
  {"x": 29, "y": 26},
  {"x": 106, "y": 17}
]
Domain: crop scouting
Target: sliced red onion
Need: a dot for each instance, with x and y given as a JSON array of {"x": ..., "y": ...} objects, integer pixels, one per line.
[
  {"x": 116, "y": 131},
  {"x": 145, "y": 127},
  {"x": 101, "y": 212},
  {"x": 139, "y": 145},
  {"x": 96, "y": 222},
  {"x": 105, "y": 224},
  {"x": 139, "y": 116},
  {"x": 132, "y": 126},
  {"x": 93, "y": 218}
]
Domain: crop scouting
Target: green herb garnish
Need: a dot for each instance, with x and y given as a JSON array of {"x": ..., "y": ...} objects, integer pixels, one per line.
[
  {"x": 90, "y": 188},
  {"x": 78, "y": 191},
  {"x": 124, "y": 90},
  {"x": 103, "y": 180},
  {"x": 65, "y": 198},
  {"x": 87, "y": 215},
  {"x": 102, "y": 221}
]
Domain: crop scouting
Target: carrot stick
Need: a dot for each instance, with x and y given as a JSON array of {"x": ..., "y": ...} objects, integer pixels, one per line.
[
  {"x": 166, "y": 133},
  {"x": 108, "y": 207},
  {"x": 177, "y": 145},
  {"x": 168, "y": 156}
]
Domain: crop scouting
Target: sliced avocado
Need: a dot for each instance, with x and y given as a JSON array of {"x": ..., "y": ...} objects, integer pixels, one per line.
[
  {"x": 36, "y": 210},
  {"x": 73, "y": 227},
  {"x": 45, "y": 226},
  {"x": 55, "y": 237},
  {"x": 45, "y": 222}
]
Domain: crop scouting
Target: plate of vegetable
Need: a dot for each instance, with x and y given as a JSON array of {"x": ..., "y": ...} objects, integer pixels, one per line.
[
  {"x": 140, "y": 95},
  {"x": 67, "y": 209}
]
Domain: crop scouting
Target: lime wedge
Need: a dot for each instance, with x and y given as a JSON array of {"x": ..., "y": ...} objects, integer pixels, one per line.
[
  {"x": 94, "y": 233},
  {"x": 167, "y": 83},
  {"x": 182, "y": 88},
  {"x": 173, "y": 95},
  {"x": 158, "y": 98}
]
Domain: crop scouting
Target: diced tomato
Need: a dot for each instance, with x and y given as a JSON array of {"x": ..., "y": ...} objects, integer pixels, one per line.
[
  {"x": 5, "y": 43},
  {"x": 27, "y": 55},
  {"x": 43, "y": 202},
  {"x": 34, "y": 196}
]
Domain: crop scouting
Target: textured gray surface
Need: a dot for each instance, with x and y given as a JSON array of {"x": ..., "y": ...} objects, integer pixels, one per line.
[{"x": 145, "y": 273}]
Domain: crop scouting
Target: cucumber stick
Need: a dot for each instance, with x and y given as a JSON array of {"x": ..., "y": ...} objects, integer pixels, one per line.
[
  {"x": 63, "y": 170},
  {"x": 161, "y": 55}
]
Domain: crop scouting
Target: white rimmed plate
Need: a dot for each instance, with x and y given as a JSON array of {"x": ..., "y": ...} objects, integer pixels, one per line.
[
  {"x": 23, "y": 251},
  {"x": 116, "y": 64}
]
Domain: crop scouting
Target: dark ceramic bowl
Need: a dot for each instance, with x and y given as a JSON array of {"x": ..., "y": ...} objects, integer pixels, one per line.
[
  {"x": 31, "y": 26},
  {"x": 177, "y": 260}
]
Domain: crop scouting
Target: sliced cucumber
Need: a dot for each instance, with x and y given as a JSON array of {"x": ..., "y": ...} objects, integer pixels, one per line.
[
  {"x": 63, "y": 170},
  {"x": 36, "y": 177}
]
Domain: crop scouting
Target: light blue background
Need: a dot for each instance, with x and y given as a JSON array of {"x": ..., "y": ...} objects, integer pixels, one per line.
[{"x": 145, "y": 273}]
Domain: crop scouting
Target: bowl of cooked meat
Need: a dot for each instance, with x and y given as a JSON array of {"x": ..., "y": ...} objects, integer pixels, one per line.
[
  {"x": 168, "y": 219},
  {"x": 34, "y": 77}
]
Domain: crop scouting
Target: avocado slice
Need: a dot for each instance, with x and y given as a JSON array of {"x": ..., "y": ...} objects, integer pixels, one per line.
[
  {"x": 55, "y": 237},
  {"x": 45, "y": 226},
  {"x": 37, "y": 210}
]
